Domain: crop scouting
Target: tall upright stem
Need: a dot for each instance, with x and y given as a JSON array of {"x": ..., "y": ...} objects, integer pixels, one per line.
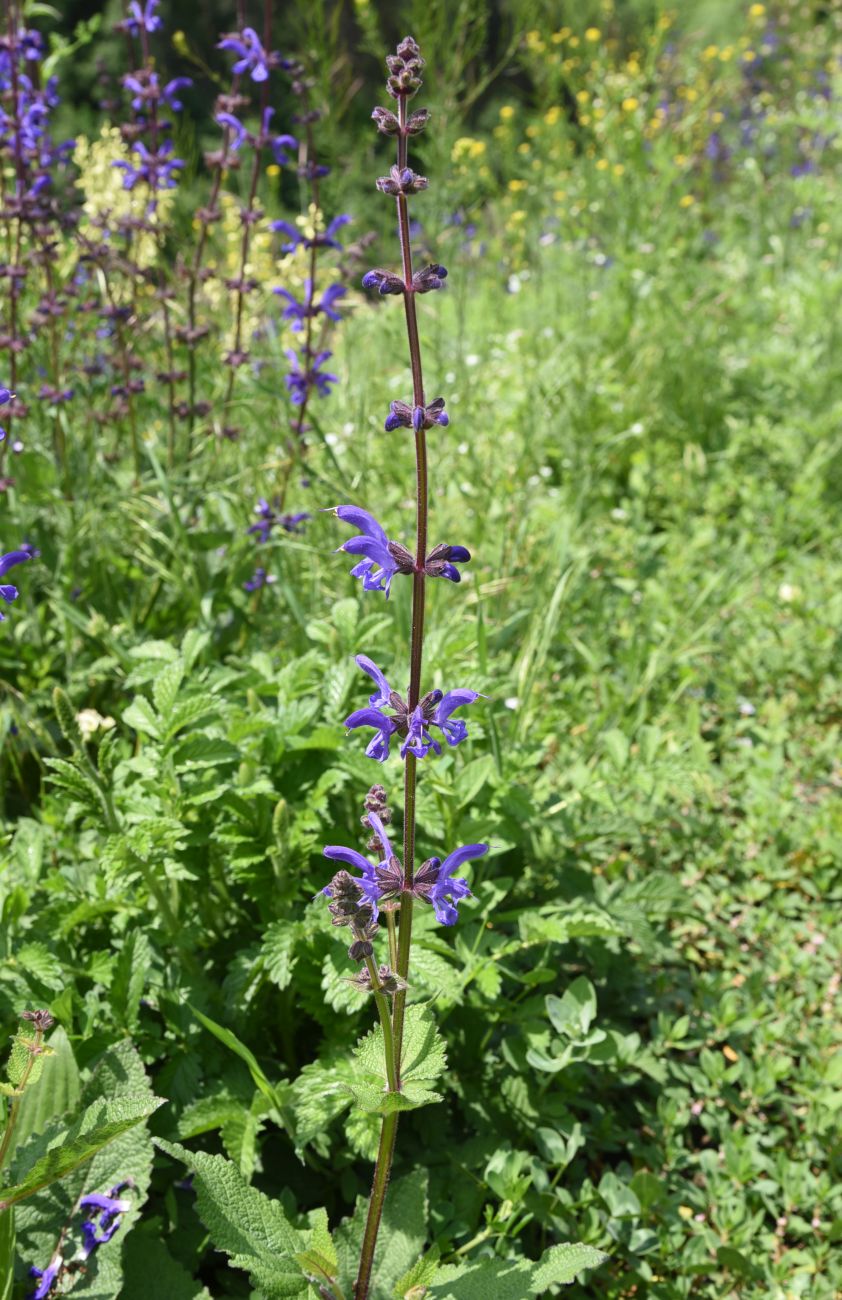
[{"x": 390, "y": 1122}]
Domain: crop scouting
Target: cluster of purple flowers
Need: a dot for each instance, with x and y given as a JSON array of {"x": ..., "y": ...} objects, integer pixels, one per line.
[
  {"x": 103, "y": 1215},
  {"x": 381, "y": 883}
]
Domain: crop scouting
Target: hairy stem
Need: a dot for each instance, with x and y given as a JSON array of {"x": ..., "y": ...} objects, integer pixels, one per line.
[
  {"x": 389, "y": 1126},
  {"x": 382, "y": 1169}
]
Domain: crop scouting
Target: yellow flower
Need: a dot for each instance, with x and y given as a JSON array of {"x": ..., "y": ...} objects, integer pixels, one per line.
[
  {"x": 726, "y": 54},
  {"x": 602, "y": 165},
  {"x": 561, "y": 35},
  {"x": 618, "y": 169},
  {"x": 687, "y": 200},
  {"x": 535, "y": 42},
  {"x": 467, "y": 147},
  {"x": 757, "y": 11},
  {"x": 592, "y": 34},
  {"x": 630, "y": 104},
  {"x": 273, "y": 170},
  {"x": 582, "y": 96},
  {"x": 710, "y": 51},
  {"x": 516, "y": 186},
  {"x": 574, "y": 42},
  {"x": 507, "y": 113},
  {"x": 749, "y": 56},
  {"x": 532, "y": 131},
  {"x": 552, "y": 115},
  {"x": 523, "y": 147},
  {"x": 585, "y": 119},
  {"x": 680, "y": 159},
  {"x": 559, "y": 195},
  {"x": 517, "y": 217},
  {"x": 717, "y": 118},
  {"x": 633, "y": 67}
]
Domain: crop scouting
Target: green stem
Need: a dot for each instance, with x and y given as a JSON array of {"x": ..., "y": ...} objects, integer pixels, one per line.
[
  {"x": 15, "y": 1106},
  {"x": 386, "y": 1023},
  {"x": 382, "y": 1170}
]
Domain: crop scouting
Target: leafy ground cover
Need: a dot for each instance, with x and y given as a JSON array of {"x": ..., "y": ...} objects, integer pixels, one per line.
[{"x": 640, "y": 1003}]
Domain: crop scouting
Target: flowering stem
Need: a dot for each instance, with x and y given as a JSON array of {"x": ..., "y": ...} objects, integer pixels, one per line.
[
  {"x": 382, "y": 1169},
  {"x": 418, "y": 585},
  {"x": 389, "y": 1126},
  {"x": 386, "y": 1023}
]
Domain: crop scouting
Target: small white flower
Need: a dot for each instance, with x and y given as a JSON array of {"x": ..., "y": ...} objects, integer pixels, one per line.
[{"x": 90, "y": 721}]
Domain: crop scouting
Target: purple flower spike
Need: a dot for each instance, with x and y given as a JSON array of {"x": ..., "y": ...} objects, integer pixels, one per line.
[
  {"x": 378, "y": 747},
  {"x": 302, "y": 378}
]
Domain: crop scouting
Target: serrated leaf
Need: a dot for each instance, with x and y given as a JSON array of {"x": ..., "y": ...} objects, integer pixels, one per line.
[
  {"x": 560, "y": 1265},
  {"x": 99, "y": 1124},
  {"x": 166, "y": 686},
  {"x": 277, "y": 951},
  {"x": 318, "y": 1095},
  {"x": 7, "y": 1254},
  {"x": 423, "y": 1060},
  {"x": 244, "y": 1223},
  {"x": 196, "y": 752},
  {"x": 130, "y": 974},
  {"x": 419, "y": 1276},
  {"x": 55, "y": 1093},
  {"x": 142, "y": 717}
]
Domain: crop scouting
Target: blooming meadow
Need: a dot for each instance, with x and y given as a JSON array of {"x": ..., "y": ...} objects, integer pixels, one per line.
[{"x": 364, "y": 935}]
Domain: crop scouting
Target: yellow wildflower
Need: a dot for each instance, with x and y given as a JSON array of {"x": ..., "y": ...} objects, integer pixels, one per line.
[
  {"x": 618, "y": 169},
  {"x": 273, "y": 170},
  {"x": 757, "y": 11},
  {"x": 687, "y": 200},
  {"x": 552, "y": 115},
  {"x": 516, "y": 186},
  {"x": 630, "y": 103},
  {"x": 583, "y": 96},
  {"x": 507, "y": 113},
  {"x": 602, "y": 165},
  {"x": 592, "y": 34}
]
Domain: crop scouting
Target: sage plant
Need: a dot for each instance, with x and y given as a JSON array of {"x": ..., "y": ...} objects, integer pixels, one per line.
[{"x": 386, "y": 884}]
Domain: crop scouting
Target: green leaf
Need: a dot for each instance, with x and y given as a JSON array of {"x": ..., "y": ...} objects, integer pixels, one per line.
[
  {"x": 419, "y": 1276},
  {"x": 424, "y": 1060},
  {"x": 166, "y": 686},
  {"x": 99, "y": 1124},
  {"x": 142, "y": 717},
  {"x": 573, "y": 1013},
  {"x": 232, "y": 1042},
  {"x": 7, "y": 1254},
  {"x": 404, "y": 1229},
  {"x": 277, "y": 951},
  {"x": 244, "y": 1223},
  {"x": 514, "y": 1279},
  {"x": 130, "y": 975},
  {"x": 55, "y": 1093},
  {"x": 561, "y": 1264}
]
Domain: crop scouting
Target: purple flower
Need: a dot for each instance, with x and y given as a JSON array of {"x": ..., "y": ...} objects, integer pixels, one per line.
[
  {"x": 383, "y": 558},
  {"x": 403, "y": 416},
  {"x": 173, "y": 88},
  {"x": 234, "y": 124},
  {"x": 383, "y": 882},
  {"x": 8, "y": 592},
  {"x": 379, "y": 565},
  {"x": 282, "y": 147},
  {"x": 296, "y": 239},
  {"x": 368, "y": 884},
  {"x": 156, "y": 167},
  {"x": 47, "y": 1277},
  {"x": 267, "y": 518},
  {"x": 104, "y": 1212},
  {"x": 144, "y": 18},
  {"x": 412, "y": 725},
  {"x": 302, "y": 377},
  {"x": 436, "y": 884},
  {"x": 260, "y": 579},
  {"x": 298, "y": 312},
  {"x": 252, "y": 57}
]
